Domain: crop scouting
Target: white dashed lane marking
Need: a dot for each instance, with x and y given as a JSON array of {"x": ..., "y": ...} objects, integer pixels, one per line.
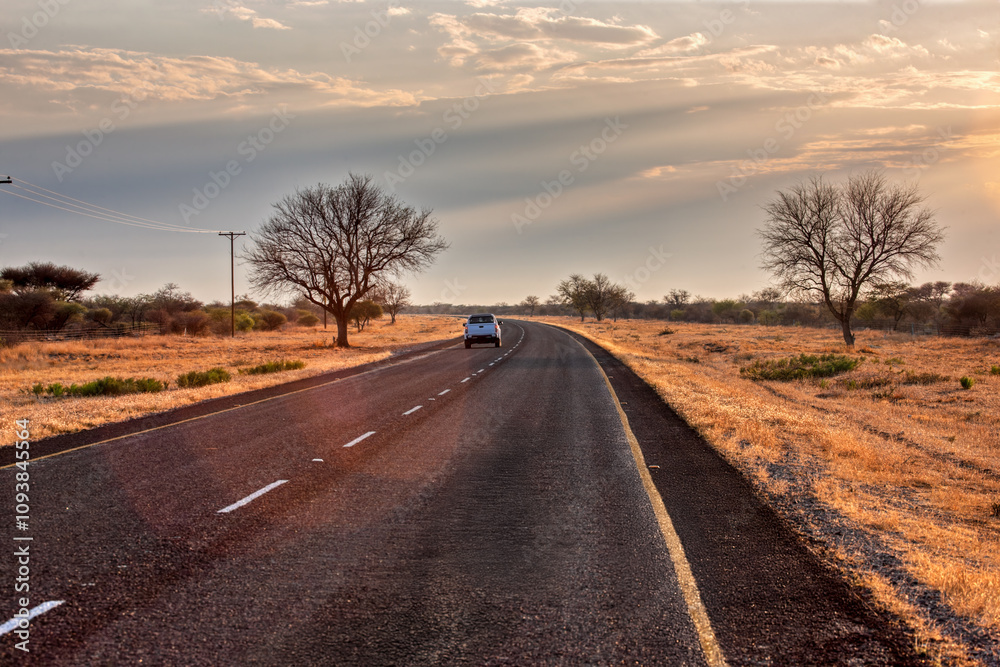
[
  {"x": 359, "y": 439},
  {"x": 412, "y": 410},
  {"x": 13, "y": 623},
  {"x": 253, "y": 496}
]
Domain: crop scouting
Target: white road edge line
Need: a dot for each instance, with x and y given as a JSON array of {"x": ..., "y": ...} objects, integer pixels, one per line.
[
  {"x": 444, "y": 392},
  {"x": 12, "y": 624},
  {"x": 412, "y": 410},
  {"x": 253, "y": 496},
  {"x": 359, "y": 439}
]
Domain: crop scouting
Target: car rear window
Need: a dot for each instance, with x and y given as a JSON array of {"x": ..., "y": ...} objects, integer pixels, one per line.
[{"x": 480, "y": 320}]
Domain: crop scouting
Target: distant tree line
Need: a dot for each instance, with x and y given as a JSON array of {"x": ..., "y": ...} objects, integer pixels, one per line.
[
  {"x": 43, "y": 297},
  {"x": 960, "y": 309}
]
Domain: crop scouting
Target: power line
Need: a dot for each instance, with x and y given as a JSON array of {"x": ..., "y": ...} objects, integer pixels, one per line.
[{"x": 80, "y": 207}]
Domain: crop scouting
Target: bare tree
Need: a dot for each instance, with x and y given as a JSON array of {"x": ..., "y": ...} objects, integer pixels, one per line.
[
  {"x": 334, "y": 244},
  {"x": 833, "y": 241},
  {"x": 393, "y": 297},
  {"x": 677, "y": 297},
  {"x": 530, "y": 303},
  {"x": 600, "y": 295}
]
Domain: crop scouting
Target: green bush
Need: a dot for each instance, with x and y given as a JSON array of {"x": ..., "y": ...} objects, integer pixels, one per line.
[
  {"x": 106, "y": 386},
  {"x": 244, "y": 322},
  {"x": 801, "y": 367},
  {"x": 268, "y": 320},
  {"x": 995, "y": 370},
  {"x": 203, "y": 378},
  {"x": 307, "y": 320},
  {"x": 967, "y": 382},
  {"x": 273, "y": 367}
]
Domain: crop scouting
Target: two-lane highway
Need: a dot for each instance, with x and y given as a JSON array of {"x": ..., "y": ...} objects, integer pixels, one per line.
[{"x": 477, "y": 506}]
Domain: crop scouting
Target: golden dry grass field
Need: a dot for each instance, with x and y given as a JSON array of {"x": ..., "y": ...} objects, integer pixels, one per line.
[
  {"x": 166, "y": 357},
  {"x": 890, "y": 470}
]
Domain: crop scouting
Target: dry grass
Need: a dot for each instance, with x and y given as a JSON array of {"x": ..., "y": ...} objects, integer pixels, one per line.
[
  {"x": 166, "y": 357},
  {"x": 892, "y": 466}
]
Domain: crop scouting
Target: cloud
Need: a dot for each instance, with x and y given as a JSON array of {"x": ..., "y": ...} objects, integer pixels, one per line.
[
  {"x": 826, "y": 61},
  {"x": 233, "y": 9},
  {"x": 79, "y": 77},
  {"x": 537, "y": 38},
  {"x": 680, "y": 45},
  {"x": 544, "y": 24}
]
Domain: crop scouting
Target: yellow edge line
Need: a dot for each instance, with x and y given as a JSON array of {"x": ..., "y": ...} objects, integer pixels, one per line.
[
  {"x": 689, "y": 587},
  {"x": 212, "y": 414}
]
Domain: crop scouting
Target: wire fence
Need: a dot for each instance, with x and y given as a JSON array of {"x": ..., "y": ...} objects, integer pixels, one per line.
[{"x": 10, "y": 337}]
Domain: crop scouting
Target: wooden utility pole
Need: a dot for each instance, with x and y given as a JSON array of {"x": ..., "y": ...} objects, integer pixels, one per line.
[{"x": 232, "y": 276}]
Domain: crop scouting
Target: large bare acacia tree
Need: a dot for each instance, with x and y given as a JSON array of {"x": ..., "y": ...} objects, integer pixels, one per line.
[
  {"x": 831, "y": 241},
  {"x": 334, "y": 245}
]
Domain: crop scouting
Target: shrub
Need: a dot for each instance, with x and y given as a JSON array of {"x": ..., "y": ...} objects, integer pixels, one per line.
[
  {"x": 666, "y": 332},
  {"x": 869, "y": 383},
  {"x": 798, "y": 368},
  {"x": 106, "y": 386},
  {"x": 203, "y": 378},
  {"x": 269, "y": 320},
  {"x": 191, "y": 323},
  {"x": 308, "y": 320},
  {"x": 273, "y": 367},
  {"x": 244, "y": 322},
  {"x": 967, "y": 382},
  {"x": 995, "y": 370},
  {"x": 923, "y": 378}
]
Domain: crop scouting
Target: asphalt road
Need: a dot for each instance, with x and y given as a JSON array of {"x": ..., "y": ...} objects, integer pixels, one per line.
[{"x": 457, "y": 506}]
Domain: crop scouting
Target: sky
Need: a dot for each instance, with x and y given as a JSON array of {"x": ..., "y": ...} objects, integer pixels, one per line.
[{"x": 637, "y": 139}]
